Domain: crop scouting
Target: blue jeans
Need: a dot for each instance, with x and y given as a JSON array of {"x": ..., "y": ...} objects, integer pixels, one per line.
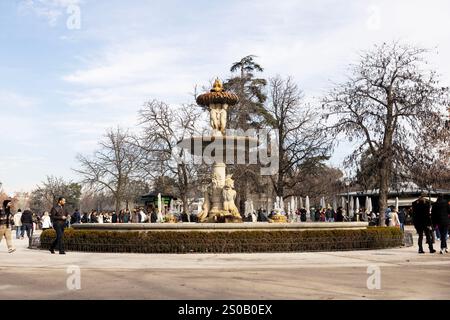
[
  {"x": 18, "y": 232},
  {"x": 28, "y": 228}
]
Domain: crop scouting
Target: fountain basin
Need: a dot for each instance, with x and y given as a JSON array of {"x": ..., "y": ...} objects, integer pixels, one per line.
[
  {"x": 214, "y": 146},
  {"x": 211, "y": 227}
]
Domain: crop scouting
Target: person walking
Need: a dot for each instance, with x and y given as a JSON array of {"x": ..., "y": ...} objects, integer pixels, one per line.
[
  {"x": 439, "y": 216},
  {"x": 422, "y": 222},
  {"x": 27, "y": 225},
  {"x": 5, "y": 230},
  {"x": 18, "y": 224},
  {"x": 46, "y": 221},
  {"x": 59, "y": 216},
  {"x": 394, "y": 221},
  {"x": 402, "y": 219}
]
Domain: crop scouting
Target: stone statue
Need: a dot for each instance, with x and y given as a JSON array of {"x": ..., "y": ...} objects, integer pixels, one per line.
[
  {"x": 229, "y": 195},
  {"x": 223, "y": 118},
  {"x": 214, "y": 113},
  {"x": 203, "y": 215},
  {"x": 218, "y": 117},
  {"x": 215, "y": 182}
]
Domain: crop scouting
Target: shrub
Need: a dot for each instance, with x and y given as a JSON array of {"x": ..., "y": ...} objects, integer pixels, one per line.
[{"x": 222, "y": 241}]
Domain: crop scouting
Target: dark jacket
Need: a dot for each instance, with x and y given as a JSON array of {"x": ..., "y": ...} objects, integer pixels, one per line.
[
  {"x": 421, "y": 214},
  {"x": 4, "y": 217},
  {"x": 5, "y": 214},
  {"x": 76, "y": 217},
  {"x": 440, "y": 212},
  {"x": 402, "y": 216},
  {"x": 58, "y": 213},
  {"x": 94, "y": 218},
  {"x": 339, "y": 216},
  {"x": 27, "y": 217},
  {"x": 153, "y": 217}
]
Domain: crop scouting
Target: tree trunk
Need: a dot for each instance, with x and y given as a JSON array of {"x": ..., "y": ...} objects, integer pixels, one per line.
[
  {"x": 184, "y": 182},
  {"x": 280, "y": 185},
  {"x": 384, "y": 188},
  {"x": 185, "y": 206},
  {"x": 117, "y": 204}
]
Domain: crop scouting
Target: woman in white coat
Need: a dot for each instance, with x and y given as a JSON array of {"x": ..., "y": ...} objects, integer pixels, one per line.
[
  {"x": 18, "y": 223},
  {"x": 394, "y": 221},
  {"x": 46, "y": 222}
]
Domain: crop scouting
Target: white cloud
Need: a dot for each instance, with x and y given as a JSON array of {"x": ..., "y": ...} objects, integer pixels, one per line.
[
  {"x": 161, "y": 50},
  {"x": 11, "y": 101},
  {"x": 50, "y": 10}
]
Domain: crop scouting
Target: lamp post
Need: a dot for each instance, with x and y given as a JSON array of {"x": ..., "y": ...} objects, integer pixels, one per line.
[
  {"x": 429, "y": 187},
  {"x": 347, "y": 184}
]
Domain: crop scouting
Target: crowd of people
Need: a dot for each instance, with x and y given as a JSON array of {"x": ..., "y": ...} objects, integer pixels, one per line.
[
  {"x": 429, "y": 220},
  {"x": 340, "y": 215}
]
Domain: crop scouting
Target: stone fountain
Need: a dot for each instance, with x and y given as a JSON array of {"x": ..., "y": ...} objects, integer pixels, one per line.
[
  {"x": 219, "y": 204},
  {"x": 219, "y": 193}
]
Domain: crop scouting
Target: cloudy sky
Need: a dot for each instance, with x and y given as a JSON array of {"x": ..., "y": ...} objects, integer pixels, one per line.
[{"x": 65, "y": 80}]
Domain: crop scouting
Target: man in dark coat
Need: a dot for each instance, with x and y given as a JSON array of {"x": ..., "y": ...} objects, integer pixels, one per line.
[
  {"x": 422, "y": 222},
  {"x": 27, "y": 225},
  {"x": 439, "y": 216},
  {"x": 59, "y": 216}
]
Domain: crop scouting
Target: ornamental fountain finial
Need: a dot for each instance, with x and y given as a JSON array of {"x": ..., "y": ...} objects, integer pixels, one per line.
[{"x": 217, "y": 86}]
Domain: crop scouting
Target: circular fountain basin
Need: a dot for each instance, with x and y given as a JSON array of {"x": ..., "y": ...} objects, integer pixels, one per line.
[{"x": 206, "y": 146}]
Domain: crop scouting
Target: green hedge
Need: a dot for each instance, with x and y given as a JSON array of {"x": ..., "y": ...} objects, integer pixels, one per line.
[{"x": 234, "y": 241}]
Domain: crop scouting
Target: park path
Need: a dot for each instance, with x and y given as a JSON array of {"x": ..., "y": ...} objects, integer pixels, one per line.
[{"x": 35, "y": 274}]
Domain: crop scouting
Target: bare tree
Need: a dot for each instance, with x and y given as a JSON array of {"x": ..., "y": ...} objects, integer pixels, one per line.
[
  {"x": 302, "y": 142},
  {"x": 91, "y": 199},
  {"x": 387, "y": 101},
  {"x": 322, "y": 181},
  {"x": 164, "y": 126},
  {"x": 113, "y": 167},
  {"x": 430, "y": 162},
  {"x": 46, "y": 195}
]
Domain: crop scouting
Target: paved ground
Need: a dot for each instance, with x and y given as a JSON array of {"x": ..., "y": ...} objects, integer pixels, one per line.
[{"x": 34, "y": 274}]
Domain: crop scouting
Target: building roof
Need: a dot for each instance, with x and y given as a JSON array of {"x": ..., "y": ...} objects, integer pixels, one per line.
[{"x": 396, "y": 192}]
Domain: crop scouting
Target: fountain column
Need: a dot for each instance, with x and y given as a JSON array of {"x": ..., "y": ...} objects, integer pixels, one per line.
[{"x": 219, "y": 194}]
